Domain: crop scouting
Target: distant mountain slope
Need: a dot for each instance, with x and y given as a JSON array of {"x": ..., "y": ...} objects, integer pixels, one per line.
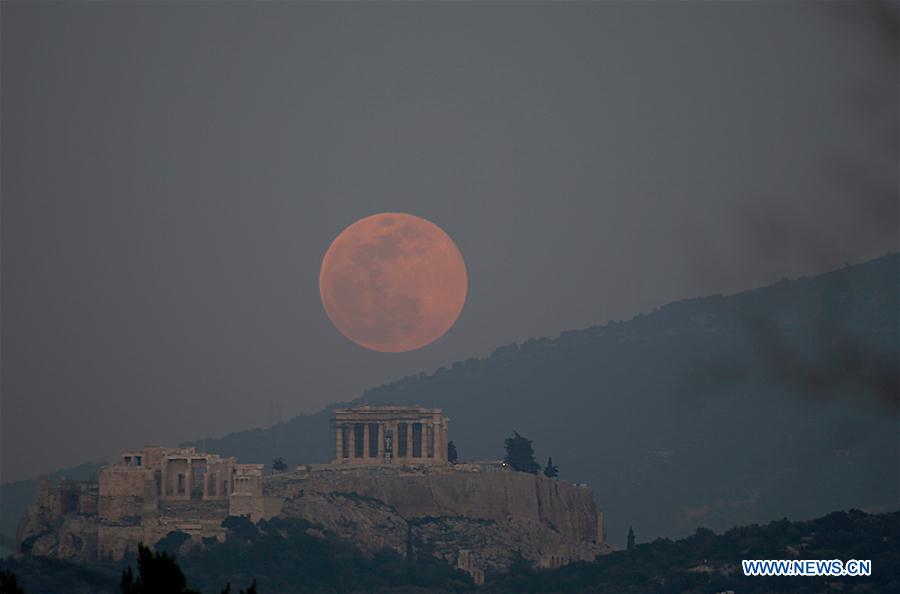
[
  {"x": 714, "y": 411},
  {"x": 707, "y": 562},
  {"x": 717, "y": 411}
]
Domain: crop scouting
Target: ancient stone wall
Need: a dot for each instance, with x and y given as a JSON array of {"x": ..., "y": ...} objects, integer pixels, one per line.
[
  {"x": 114, "y": 542},
  {"x": 48, "y": 499},
  {"x": 255, "y": 507},
  {"x": 121, "y": 494},
  {"x": 88, "y": 504},
  {"x": 121, "y": 480}
]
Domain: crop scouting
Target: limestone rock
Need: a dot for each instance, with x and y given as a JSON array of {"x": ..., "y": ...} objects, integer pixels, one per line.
[
  {"x": 475, "y": 516},
  {"x": 446, "y": 510}
]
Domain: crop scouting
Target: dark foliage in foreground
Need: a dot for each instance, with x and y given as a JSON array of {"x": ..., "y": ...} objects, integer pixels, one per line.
[
  {"x": 283, "y": 557},
  {"x": 52, "y": 576},
  {"x": 250, "y": 590},
  {"x": 157, "y": 573},
  {"x": 280, "y": 556},
  {"x": 288, "y": 559},
  {"x": 9, "y": 584},
  {"x": 706, "y": 562}
]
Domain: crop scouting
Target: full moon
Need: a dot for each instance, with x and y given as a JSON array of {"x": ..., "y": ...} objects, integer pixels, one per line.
[{"x": 393, "y": 282}]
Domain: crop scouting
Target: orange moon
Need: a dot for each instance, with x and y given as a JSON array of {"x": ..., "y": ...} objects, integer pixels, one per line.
[{"x": 393, "y": 282}]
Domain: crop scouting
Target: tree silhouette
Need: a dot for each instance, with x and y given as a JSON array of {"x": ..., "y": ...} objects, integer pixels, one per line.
[
  {"x": 630, "y": 545},
  {"x": 519, "y": 564},
  {"x": 158, "y": 573},
  {"x": 278, "y": 464},
  {"x": 452, "y": 456},
  {"x": 9, "y": 584},
  {"x": 171, "y": 542},
  {"x": 551, "y": 470},
  {"x": 250, "y": 590},
  {"x": 520, "y": 454}
]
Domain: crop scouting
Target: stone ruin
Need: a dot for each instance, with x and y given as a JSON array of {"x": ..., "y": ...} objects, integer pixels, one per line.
[
  {"x": 146, "y": 495},
  {"x": 390, "y": 435},
  {"x": 389, "y": 481}
]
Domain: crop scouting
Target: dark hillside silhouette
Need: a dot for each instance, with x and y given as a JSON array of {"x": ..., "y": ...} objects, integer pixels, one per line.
[
  {"x": 775, "y": 401},
  {"x": 771, "y": 402},
  {"x": 716, "y": 411},
  {"x": 708, "y": 562}
]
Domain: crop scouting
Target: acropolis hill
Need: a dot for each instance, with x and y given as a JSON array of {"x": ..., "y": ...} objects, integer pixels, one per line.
[{"x": 390, "y": 479}]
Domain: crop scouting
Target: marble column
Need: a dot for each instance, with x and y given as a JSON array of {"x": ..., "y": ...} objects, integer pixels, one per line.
[
  {"x": 380, "y": 441},
  {"x": 446, "y": 438},
  {"x": 366, "y": 452},
  {"x": 421, "y": 440},
  {"x": 338, "y": 443},
  {"x": 409, "y": 440},
  {"x": 392, "y": 427},
  {"x": 440, "y": 450},
  {"x": 188, "y": 476}
]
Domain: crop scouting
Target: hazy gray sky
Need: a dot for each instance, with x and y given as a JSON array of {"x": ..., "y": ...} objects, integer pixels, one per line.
[{"x": 173, "y": 173}]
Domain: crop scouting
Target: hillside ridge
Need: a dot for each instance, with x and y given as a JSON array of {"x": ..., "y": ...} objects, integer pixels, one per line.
[{"x": 690, "y": 367}]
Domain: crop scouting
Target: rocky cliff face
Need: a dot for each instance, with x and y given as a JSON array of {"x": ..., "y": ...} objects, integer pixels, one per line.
[
  {"x": 484, "y": 513},
  {"x": 70, "y": 520},
  {"x": 474, "y": 516},
  {"x": 60, "y": 523}
]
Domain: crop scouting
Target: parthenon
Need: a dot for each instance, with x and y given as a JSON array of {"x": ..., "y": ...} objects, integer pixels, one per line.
[{"x": 390, "y": 435}]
